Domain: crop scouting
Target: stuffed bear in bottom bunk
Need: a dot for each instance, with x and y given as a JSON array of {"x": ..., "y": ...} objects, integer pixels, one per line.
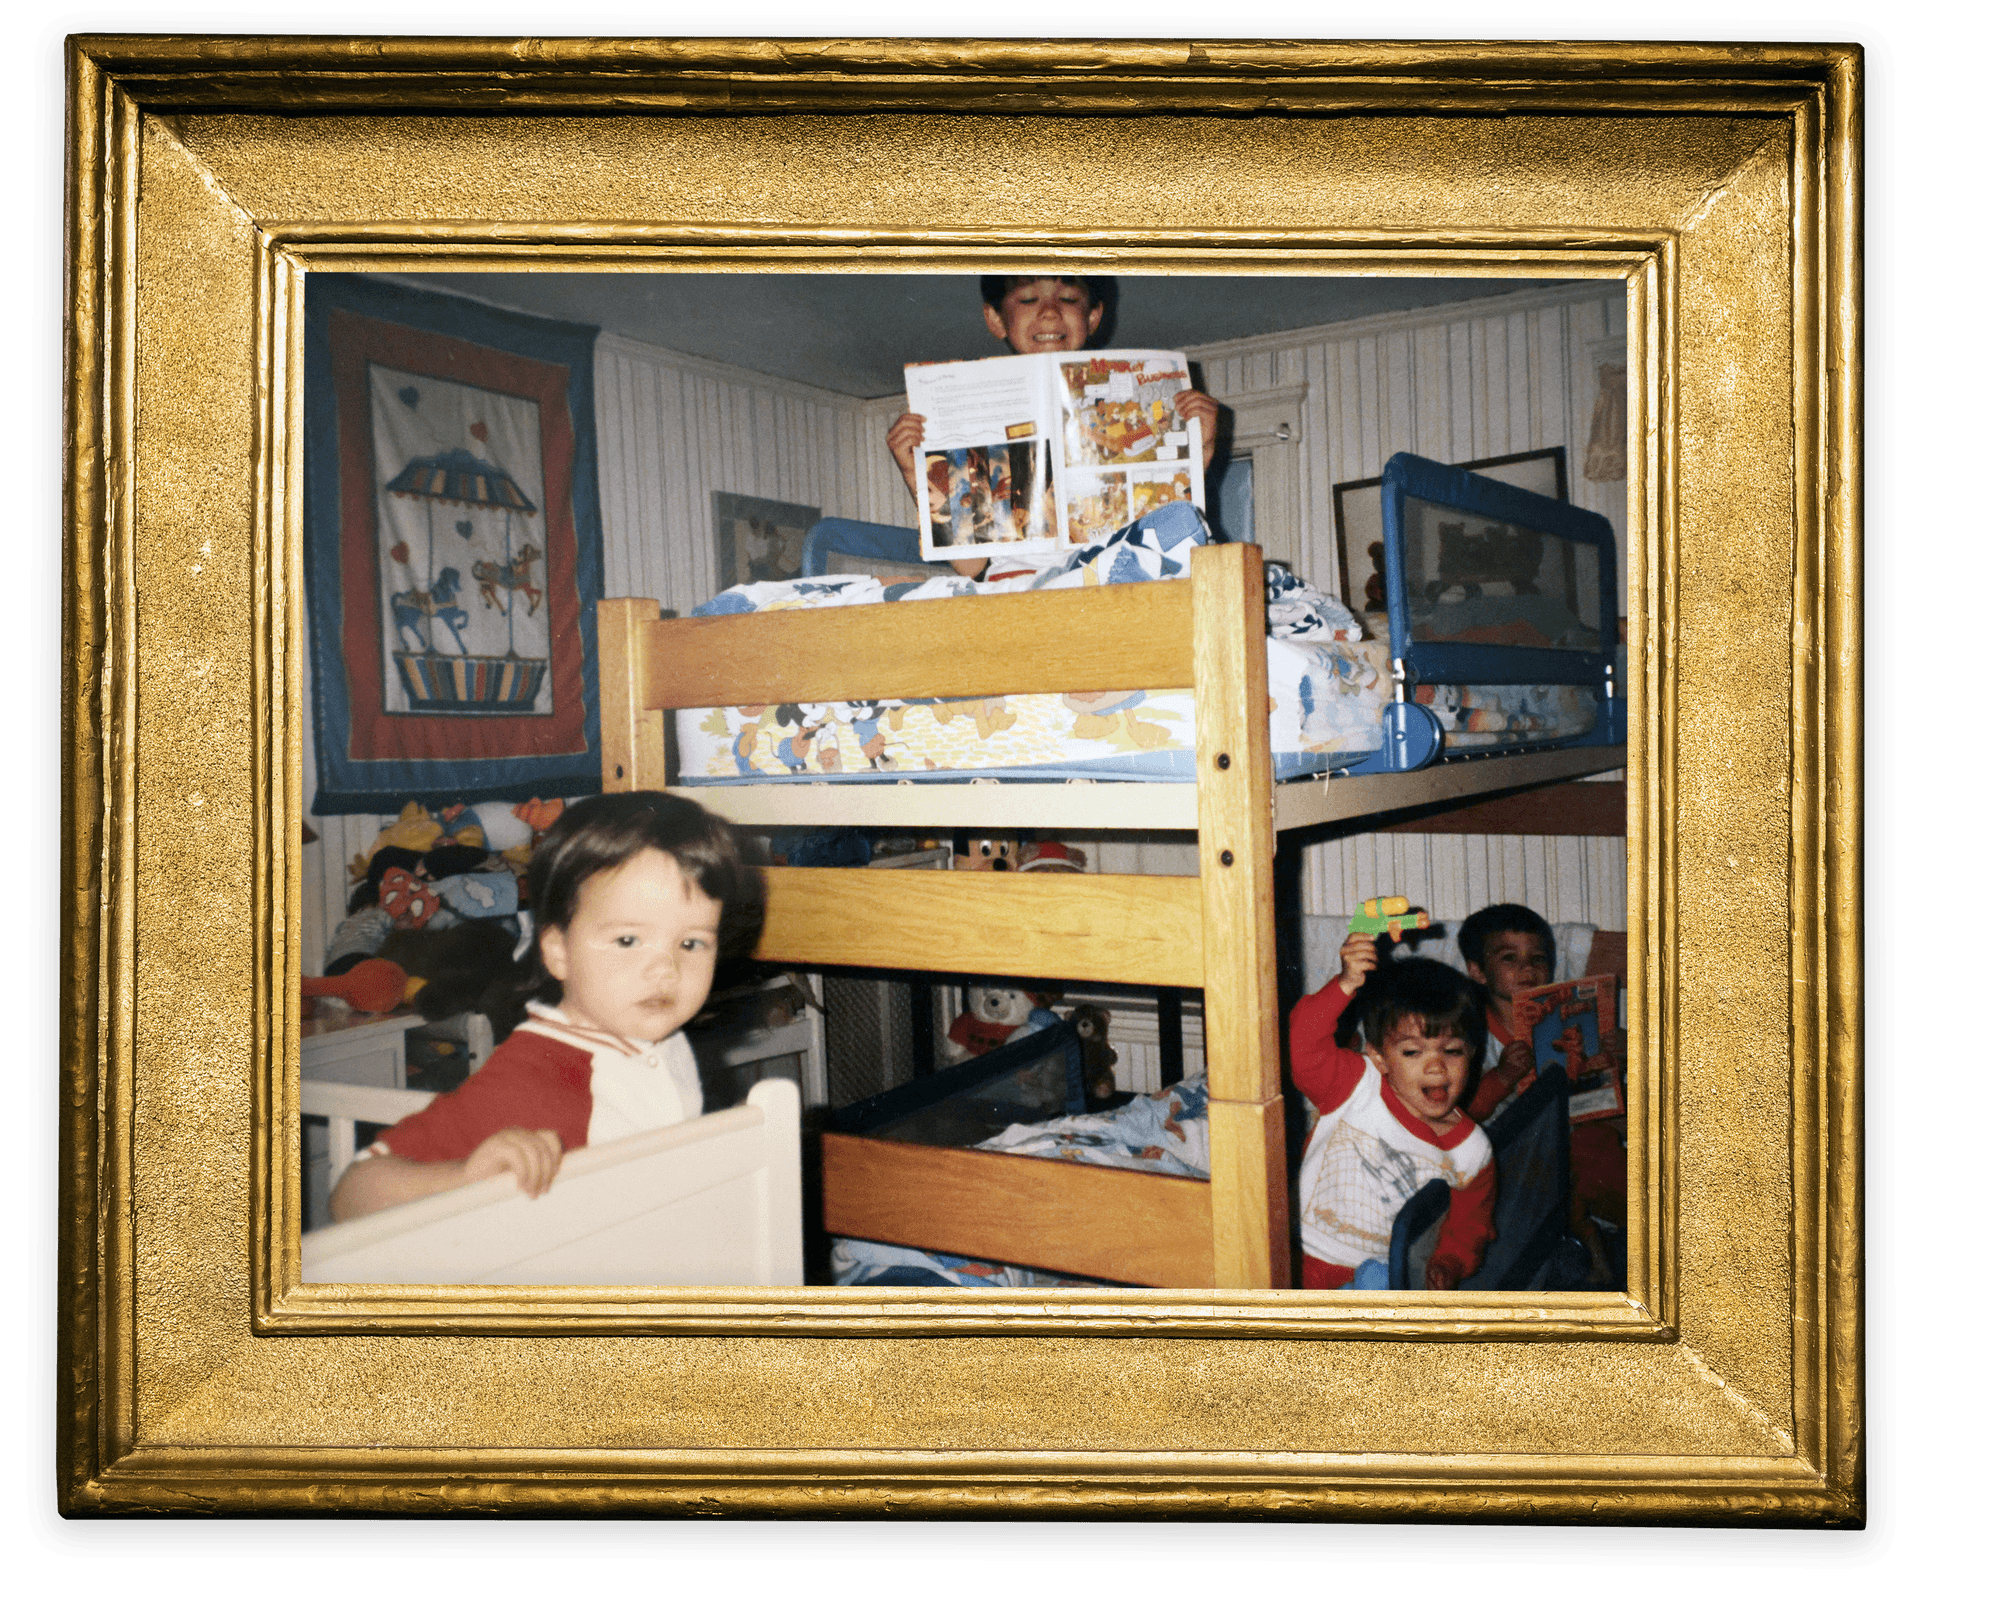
[{"x": 995, "y": 1013}]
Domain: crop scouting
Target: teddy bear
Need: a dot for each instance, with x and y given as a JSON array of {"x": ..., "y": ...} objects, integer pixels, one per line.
[
  {"x": 994, "y": 1014},
  {"x": 1100, "y": 1084}
]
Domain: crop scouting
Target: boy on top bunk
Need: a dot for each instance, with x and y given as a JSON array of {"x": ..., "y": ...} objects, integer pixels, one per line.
[
  {"x": 633, "y": 896},
  {"x": 1042, "y": 313},
  {"x": 1389, "y": 1117}
]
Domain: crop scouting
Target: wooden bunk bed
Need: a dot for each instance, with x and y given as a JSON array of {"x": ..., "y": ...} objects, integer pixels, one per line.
[{"x": 1215, "y": 931}]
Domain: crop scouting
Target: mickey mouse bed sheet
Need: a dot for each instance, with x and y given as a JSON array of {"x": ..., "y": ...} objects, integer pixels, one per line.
[
  {"x": 1162, "y": 1133},
  {"x": 1328, "y": 688}
]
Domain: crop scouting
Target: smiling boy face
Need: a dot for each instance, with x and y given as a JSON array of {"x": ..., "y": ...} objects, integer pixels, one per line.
[
  {"x": 1428, "y": 1072},
  {"x": 1044, "y": 315},
  {"x": 1513, "y": 961}
]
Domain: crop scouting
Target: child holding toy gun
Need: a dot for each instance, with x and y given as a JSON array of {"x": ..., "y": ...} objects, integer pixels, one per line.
[{"x": 1390, "y": 1120}]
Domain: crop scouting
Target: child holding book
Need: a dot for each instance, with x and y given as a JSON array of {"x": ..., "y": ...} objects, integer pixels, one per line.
[
  {"x": 1507, "y": 948},
  {"x": 1041, "y": 313},
  {"x": 1389, "y": 1117},
  {"x": 1510, "y": 948},
  {"x": 633, "y": 896}
]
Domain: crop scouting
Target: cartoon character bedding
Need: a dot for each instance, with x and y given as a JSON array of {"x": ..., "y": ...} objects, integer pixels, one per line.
[
  {"x": 1328, "y": 689},
  {"x": 1162, "y": 1133}
]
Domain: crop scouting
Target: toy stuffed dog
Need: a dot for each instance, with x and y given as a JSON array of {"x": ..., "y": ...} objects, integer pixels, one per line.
[{"x": 994, "y": 1014}]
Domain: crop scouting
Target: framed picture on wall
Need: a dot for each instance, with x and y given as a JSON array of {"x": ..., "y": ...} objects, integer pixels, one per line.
[
  {"x": 757, "y": 539},
  {"x": 1357, "y": 516}
]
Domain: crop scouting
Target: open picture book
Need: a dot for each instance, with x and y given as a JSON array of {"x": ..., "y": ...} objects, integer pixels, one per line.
[
  {"x": 1573, "y": 1025},
  {"x": 1044, "y": 451}
]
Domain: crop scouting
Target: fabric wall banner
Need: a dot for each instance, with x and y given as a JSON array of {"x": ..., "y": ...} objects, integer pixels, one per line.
[{"x": 454, "y": 557}]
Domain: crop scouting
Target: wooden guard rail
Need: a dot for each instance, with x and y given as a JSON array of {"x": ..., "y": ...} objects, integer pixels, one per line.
[{"x": 1215, "y": 932}]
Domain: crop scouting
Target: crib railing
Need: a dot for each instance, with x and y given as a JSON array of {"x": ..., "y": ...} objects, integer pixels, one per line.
[{"x": 344, "y": 1105}]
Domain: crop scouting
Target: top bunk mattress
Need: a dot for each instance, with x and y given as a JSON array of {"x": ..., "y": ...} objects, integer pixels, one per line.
[{"x": 1328, "y": 690}]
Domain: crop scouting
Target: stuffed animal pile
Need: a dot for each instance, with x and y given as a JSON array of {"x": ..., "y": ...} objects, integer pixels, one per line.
[{"x": 438, "y": 895}]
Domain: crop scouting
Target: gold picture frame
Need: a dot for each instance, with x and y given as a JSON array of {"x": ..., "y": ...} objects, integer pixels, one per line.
[{"x": 208, "y": 175}]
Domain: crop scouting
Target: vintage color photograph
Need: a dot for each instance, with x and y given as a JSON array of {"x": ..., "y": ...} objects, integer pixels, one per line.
[{"x": 442, "y": 888}]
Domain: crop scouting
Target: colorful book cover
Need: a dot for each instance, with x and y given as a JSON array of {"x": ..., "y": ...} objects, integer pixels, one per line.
[
  {"x": 1047, "y": 451},
  {"x": 1574, "y": 1026}
]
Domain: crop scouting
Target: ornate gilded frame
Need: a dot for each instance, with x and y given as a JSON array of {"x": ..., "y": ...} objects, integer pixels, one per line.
[{"x": 1721, "y": 183}]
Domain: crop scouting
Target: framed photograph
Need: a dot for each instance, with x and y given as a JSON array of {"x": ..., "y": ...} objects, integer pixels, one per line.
[
  {"x": 200, "y": 1374},
  {"x": 1357, "y": 516},
  {"x": 757, "y": 539}
]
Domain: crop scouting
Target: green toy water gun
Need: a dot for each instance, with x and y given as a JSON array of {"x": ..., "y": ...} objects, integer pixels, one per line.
[{"x": 1389, "y": 914}]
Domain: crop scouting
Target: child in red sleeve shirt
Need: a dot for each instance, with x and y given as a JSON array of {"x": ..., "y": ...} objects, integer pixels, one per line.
[
  {"x": 1506, "y": 947},
  {"x": 634, "y": 895},
  {"x": 1390, "y": 1119},
  {"x": 1509, "y": 948}
]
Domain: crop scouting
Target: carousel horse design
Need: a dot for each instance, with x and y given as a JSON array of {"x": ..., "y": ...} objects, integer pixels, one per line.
[
  {"x": 514, "y": 576},
  {"x": 416, "y": 610}
]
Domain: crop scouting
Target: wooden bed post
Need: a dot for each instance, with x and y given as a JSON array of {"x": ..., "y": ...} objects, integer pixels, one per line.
[
  {"x": 632, "y": 738},
  {"x": 1251, "y": 1203}
]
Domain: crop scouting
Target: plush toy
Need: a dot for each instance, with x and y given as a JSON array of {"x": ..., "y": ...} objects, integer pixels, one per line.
[
  {"x": 539, "y": 814},
  {"x": 1100, "y": 1085},
  {"x": 410, "y": 901},
  {"x": 969, "y": 854},
  {"x": 371, "y": 985},
  {"x": 994, "y": 1015},
  {"x": 469, "y": 967},
  {"x": 1050, "y": 857}
]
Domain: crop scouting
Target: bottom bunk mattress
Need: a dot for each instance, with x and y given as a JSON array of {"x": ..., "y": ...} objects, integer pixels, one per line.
[
  {"x": 1328, "y": 689},
  {"x": 1162, "y": 1133}
]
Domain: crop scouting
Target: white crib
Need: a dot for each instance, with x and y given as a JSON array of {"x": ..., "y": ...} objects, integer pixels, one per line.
[{"x": 711, "y": 1202}]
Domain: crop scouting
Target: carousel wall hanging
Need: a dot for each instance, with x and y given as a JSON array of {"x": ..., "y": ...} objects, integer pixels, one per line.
[{"x": 453, "y": 549}]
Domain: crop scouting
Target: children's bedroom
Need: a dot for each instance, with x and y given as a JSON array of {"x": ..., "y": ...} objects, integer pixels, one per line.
[{"x": 676, "y": 642}]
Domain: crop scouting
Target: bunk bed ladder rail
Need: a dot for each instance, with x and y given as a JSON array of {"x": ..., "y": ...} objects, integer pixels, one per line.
[{"x": 1214, "y": 932}]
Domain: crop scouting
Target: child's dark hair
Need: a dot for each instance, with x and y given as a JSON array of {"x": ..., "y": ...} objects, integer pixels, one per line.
[
  {"x": 1441, "y": 998},
  {"x": 1101, "y": 289},
  {"x": 603, "y": 832},
  {"x": 1481, "y": 927}
]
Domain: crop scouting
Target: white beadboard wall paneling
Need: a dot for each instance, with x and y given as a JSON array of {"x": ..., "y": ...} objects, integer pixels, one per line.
[
  {"x": 885, "y": 499},
  {"x": 1453, "y": 875},
  {"x": 673, "y": 430},
  {"x": 323, "y": 866},
  {"x": 1504, "y": 374}
]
